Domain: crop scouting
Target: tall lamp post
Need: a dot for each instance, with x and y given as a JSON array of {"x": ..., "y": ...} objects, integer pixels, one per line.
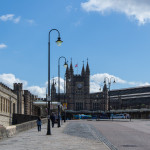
[
  {"x": 109, "y": 84},
  {"x": 101, "y": 90},
  {"x": 58, "y": 43},
  {"x": 65, "y": 65},
  {"x": 65, "y": 98}
]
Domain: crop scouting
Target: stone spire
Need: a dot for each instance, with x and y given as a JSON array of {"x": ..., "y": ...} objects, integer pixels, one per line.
[
  {"x": 105, "y": 88},
  {"x": 83, "y": 70},
  {"x": 71, "y": 68},
  {"x": 67, "y": 70},
  {"x": 87, "y": 68}
]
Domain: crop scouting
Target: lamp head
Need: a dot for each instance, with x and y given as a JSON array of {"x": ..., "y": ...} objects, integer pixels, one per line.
[
  {"x": 65, "y": 64},
  {"x": 59, "y": 41}
]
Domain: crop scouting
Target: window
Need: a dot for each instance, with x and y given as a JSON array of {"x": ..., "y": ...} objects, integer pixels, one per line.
[
  {"x": 95, "y": 106},
  {"x": 79, "y": 106}
]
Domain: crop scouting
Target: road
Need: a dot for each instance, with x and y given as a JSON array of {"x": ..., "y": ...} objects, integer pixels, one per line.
[{"x": 124, "y": 135}]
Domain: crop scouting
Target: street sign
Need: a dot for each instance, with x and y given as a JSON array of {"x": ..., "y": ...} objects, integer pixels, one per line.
[
  {"x": 49, "y": 98},
  {"x": 65, "y": 105}
]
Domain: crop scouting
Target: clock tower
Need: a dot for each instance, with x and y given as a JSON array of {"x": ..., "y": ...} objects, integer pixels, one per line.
[{"x": 78, "y": 89}]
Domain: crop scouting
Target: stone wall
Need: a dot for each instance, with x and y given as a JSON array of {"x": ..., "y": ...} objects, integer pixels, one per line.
[
  {"x": 5, "y": 120},
  {"x": 12, "y": 130},
  {"x": 28, "y": 125},
  {"x": 20, "y": 118}
]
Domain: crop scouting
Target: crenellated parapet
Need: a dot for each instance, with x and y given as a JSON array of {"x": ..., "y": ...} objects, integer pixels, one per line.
[{"x": 8, "y": 91}]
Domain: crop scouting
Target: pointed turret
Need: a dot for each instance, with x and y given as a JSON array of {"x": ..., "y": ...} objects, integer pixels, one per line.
[
  {"x": 87, "y": 78},
  {"x": 105, "y": 96},
  {"x": 71, "y": 68},
  {"x": 83, "y": 70},
  {"x": 53, "y": 90},
  {"x": 87, "y": 68},
  {"x": 105, "y": 88},
  {"x": 67, "y": 71}
]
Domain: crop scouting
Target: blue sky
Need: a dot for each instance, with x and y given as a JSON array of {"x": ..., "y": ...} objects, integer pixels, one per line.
[{"x": 113, "y": 35}]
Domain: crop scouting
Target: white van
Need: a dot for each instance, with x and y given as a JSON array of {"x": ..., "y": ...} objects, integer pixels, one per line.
[{"x": 118, "y": 116}]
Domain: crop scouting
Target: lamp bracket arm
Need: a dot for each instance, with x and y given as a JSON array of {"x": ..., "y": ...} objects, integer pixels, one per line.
[{"x": 53, "y": 30}]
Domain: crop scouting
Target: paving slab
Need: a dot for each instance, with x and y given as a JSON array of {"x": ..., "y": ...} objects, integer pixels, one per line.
[{"x": 34, "y": 140}]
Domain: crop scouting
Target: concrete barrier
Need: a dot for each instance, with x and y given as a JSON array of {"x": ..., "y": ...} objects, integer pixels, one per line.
[
  {"x": 27, "y": 125},
  {"x": 14, "y": 129},
  {"x": 3, "y": 132}
]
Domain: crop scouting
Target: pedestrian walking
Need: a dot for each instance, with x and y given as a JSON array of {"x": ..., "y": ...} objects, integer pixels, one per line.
[
  {"x": 39, "y": 123},
  {"x": 53, "y": 119}
]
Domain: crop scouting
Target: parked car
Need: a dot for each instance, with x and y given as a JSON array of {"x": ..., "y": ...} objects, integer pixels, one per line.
[
  {"x": 82, "y": 116},
  {"x": 94, "y": 117},
  {"x": 104, "y": 116},
  {"x": 117, "y": 116}
]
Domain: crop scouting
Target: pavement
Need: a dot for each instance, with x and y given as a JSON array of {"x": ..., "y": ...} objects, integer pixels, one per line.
[{"x": 67, "y": 137}]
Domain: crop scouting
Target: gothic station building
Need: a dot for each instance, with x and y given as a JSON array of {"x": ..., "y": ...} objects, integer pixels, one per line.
[
  {"x": 78, "y": 97},
  {"x": 135, "y": 101},
  {"x": 78, "y": 89}
]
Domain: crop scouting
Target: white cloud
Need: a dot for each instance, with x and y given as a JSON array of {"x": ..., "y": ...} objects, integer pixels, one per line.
[
  {"x": 2, "y": 46},
  {"x": 7, "y": 17},
  {"x": 16, "y": 20},
  {"x": 30, "y": 21},
  {"x": 55, "y": 80},
  {"x": 137, "y": 9},
  {"x": 9, "y": 79},
  {"x": 96, "y": 81},
  {"x": 10, "y": 17},
  {"x": 39, "y": 91}
]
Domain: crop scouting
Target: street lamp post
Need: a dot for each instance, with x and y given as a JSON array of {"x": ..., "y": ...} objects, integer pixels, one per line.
[
  {"x": 65, "y": 98},
  {"x": 100, "y": 89},
  {"x": 65, "y": 65},
  {"x": 109, "y": 84},
  {"x": 58, "y": 43}
]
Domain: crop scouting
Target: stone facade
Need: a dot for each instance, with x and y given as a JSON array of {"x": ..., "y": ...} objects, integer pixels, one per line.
[
  {"x": 8, "y": 104},
  {"x": 16, "y": 101},
  {"x": 78, "y": 95},
  {"x": 79, "y": 98}
]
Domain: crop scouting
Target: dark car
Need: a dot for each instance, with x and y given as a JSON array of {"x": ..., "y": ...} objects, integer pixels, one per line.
[
  {"x": 94, "y": 117},
  {"x": 104, "y": 116}
]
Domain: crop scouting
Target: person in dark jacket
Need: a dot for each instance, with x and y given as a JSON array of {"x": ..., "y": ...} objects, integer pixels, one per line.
[
  {"x": 39, "y": 123},
  {"x": 53, "y": 119}
]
